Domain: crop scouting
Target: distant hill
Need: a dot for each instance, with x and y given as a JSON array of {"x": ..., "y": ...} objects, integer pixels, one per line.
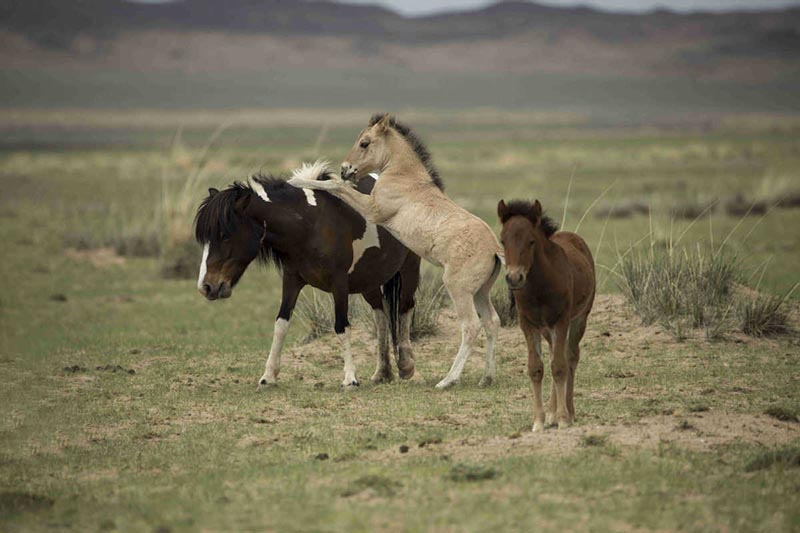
[{"x": 93, "y": 38}]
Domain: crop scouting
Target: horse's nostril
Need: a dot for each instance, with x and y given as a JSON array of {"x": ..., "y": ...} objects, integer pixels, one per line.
[
  {"x": 508, "y": 278},
  {"x": 206, "y": 289}
]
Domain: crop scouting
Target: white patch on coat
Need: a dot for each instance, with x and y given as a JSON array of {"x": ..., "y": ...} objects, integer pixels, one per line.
[
  {"x": 311, "y": 171},
  {"x": 259, "y": 190},
  {"x": 310, "y": 198},
  {"x": 374, "y": 175},
  {"x": 203, "y": 267},
  {"x": 368, "y": 240}
]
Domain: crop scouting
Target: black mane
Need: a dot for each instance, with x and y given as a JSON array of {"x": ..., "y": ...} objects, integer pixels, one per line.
[
  {"x": 525, "y": 209},
  {"x": 416, "y": 143},
  {"x": 216, "y": 217}
]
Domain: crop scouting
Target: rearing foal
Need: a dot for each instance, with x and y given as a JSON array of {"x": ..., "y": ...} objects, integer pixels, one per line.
[
  {"x": 409, "y": 202},
  {"x": 551, "y": 275}
]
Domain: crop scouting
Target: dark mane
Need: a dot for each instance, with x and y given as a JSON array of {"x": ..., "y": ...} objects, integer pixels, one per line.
[
  {"x": 217, "y": 217},
  {"x": 525, "y": 209},
  {"x": 416, "y": 143}
]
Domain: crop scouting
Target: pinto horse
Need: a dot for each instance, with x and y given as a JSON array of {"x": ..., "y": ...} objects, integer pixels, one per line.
[
  {"x": 551, "y": 275},
  {"x": 314, "y": 239},
  {"x": 410, "y": 202}
]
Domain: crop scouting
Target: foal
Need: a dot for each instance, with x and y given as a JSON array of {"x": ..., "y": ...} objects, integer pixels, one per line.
[
  {"x": 551, "y": 275},
  {"x": 408, "y": 200}
]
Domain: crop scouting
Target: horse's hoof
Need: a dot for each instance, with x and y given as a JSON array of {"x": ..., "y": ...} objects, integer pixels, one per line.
[
  {"x": 406, "y": 373},
  {"x": 264, "y": 384},
  {"x": 538, "y": 427},
  {"x": 351, "y": 384},
  {"x": 550, "y": 419},
  {"x": 382, "y": 377},
  {"x": 486, "y": 381},
  {"x": 564, "y": 424},
  {"x": 445, "y": 384}
]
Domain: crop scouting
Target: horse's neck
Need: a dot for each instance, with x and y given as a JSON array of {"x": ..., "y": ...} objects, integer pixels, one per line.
[
  {"x": 281, "y": 232},
  {"x": 404, "y": 164},
  {"x": 542, "y": 270}
]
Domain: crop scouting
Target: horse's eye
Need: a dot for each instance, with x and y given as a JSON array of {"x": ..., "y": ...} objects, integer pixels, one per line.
[
  {"x": 532, "y": 242},
  {"x": 364, "y": 143},
  {"x": 502, "y": 242}
]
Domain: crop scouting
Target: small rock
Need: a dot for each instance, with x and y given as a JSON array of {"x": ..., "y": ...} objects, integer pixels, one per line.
[
  {"x": 58, "y": 297},
  {"x": 321, "y": 457},
  {"x": 606, "y": 334},
  {"x": 403, "y": 449}
]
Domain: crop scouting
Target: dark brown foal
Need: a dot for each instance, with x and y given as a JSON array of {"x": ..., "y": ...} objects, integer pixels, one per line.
[{"x": 551, "y": 275}]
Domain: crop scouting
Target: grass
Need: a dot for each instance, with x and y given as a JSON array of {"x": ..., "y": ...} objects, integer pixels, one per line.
[
  {"x": 788, "y": 457},
  {"x": 186, "y": 443}
]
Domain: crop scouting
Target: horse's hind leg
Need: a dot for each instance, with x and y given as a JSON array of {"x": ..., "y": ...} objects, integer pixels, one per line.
[
  {"x": 383, "y": 370},
  {"x": 491, "y": 324},
  {"x": 576, "y": 330},
  {"x": 550, "y": 410},
  {"x": 470, "y": 327},
  {"x": 292, "y": 285},
  {"x": 409, "y": 276}
]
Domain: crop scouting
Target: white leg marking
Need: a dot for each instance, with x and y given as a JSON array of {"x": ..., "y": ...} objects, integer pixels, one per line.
[
  {"x": 203, "y": 267},
  {"x": 457, "y": 369},
  {"x": 374, "y": 175},
  {"x": 349, "y": 367},
  {"x": 259, "y": 190},
  {"x": 310, "y": 198},
  {"x": 368, "y": 240},
  {"x": 274, "y": 361}
]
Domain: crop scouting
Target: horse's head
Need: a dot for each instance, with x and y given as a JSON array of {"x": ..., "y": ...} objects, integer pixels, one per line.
[
  {"x": 231, "y": 240},
  {"x": 370, "y": 151},
  {"x": 523, "y": 227}
]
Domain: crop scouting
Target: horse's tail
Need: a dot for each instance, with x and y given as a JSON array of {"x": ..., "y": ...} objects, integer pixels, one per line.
[{"x": 391, "y": 296}]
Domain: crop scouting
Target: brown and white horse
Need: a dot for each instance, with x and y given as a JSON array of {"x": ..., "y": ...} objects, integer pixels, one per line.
[
  {"x": 409, "y": 201},
  {"x": 551, "y": 275},
  {"x": 314, "y": 239}
]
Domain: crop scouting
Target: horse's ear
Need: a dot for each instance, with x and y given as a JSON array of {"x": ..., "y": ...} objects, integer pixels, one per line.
[
  {"x": 537, "y": 209},
  {"x": 212, "y": 191},
  {"x": 384, "y": 123},
  {"x": 502, "y": 210}
]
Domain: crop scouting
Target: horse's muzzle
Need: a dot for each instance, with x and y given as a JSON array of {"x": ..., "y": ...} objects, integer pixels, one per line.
[
  {"x": 348, "y": 171},
  {"x": 211, "y": 292},
  {"x": 515, "y": 280}
]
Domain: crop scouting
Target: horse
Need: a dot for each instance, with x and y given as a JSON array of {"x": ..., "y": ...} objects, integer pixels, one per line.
[
  {"x": 314, "y": 239},
  {"x": 551, "y": 275},
  {"x": 409, "y": 201}
]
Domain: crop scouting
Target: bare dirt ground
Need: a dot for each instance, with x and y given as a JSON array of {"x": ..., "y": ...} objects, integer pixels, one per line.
[{"x": 616, "y": 329}]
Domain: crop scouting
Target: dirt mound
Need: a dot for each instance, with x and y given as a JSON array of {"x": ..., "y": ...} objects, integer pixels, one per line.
[{"x": 700, "y": 432}]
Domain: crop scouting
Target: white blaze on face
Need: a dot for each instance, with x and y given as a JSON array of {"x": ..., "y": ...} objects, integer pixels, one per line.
[
  {"x": 368, "y": 240},
  {"x": 203, "y": 267},
  {"x": 259, "y": 190},
  {"x": 310, "y": 198}
]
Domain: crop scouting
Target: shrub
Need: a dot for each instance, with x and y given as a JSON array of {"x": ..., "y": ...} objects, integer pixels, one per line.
[
  {"x": 680, "y": 289},
  {"x": 430, "y": 298},
  {"x": 503, "y": 303},
  {"x": 762, "y": 315}
]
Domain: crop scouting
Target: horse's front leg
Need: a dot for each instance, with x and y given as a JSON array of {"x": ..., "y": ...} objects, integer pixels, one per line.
[
  {"x": 292, "y": 284},
  {"x": 560, "y": 368},
  {"x": 535, "y": 372},
  {"x": 342, "y": 328}
]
